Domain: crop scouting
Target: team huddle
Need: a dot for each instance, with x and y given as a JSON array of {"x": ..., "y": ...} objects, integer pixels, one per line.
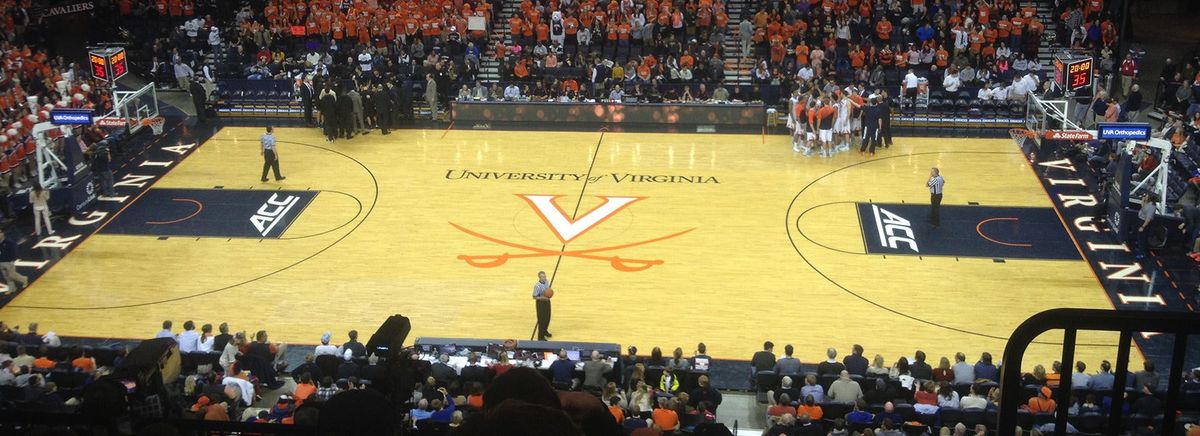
[{"x": 830, "y": 121}]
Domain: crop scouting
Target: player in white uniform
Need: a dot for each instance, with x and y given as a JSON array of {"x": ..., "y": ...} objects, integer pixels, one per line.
[
  {"x": 855, "y": 116},
  {"x": 841, "y": 124},
  {"x": 797, "y": 121}
]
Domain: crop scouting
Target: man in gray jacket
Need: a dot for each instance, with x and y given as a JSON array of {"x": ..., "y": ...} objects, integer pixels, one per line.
[
  {"x": 844, "y": 390},
  {"x": 360, "y": 123},
  {"x": 594, "y": 370}
]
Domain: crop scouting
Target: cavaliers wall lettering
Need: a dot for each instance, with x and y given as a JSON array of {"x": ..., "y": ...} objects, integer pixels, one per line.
[{"x": 465, "y": 174}]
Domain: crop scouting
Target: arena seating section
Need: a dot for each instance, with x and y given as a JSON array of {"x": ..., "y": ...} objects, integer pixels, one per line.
[
  {"x": 713, "y": 26},
  {"x": 71, "y": 383}
]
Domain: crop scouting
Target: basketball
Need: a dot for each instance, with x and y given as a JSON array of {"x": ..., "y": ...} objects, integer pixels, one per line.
[{"x": 549, "y": 293}]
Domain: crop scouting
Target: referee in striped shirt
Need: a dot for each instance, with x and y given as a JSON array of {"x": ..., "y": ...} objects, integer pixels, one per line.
[
  {"x": 935, "y": 184},
  {"x": 270, "y": 155}
]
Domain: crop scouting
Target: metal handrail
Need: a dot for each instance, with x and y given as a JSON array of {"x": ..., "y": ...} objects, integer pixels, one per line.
[{"x": 1180, "y": 324}]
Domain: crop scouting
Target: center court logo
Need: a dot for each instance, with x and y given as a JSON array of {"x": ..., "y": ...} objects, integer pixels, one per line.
[
  {"x": 893, "y": 229},
  {"x": 568, "y": 230}
]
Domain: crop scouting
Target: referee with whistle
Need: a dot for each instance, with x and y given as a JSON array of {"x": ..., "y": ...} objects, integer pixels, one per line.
[{"x": 935, "y": 184}]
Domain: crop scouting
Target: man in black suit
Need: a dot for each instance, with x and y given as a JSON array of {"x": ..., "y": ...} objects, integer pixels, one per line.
[
  {"x": 383, "y": 107},
  {"x": 199, "y": 99},
  {"x": 307, "y": 96},
  {"x": 473, "y": 372},
  {"x": 345, "y": 116}
]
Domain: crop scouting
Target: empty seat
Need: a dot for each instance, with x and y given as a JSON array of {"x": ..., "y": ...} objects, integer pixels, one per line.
[
  {"x": 950, "y": 416},
  {"x": 906, "y": 410},
  {"x": 973, "y": 417}
]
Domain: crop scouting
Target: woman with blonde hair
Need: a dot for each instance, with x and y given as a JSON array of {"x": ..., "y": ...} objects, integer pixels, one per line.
[
  {"x": 502, "y": 366},
  {"x": 877, "y": 367},
  {"x": 641, "y": 402},
  {"x": 1035, "y": 378},
  {"x": 637, "y": 375},
  {"x": 610, "y": 391}
]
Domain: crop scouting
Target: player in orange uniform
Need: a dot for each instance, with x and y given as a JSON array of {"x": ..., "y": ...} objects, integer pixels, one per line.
[{"x": 824, "y": 120}]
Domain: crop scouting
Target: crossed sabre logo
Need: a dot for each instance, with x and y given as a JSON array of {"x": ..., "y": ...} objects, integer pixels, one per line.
[{"x": 568, "y": 230}]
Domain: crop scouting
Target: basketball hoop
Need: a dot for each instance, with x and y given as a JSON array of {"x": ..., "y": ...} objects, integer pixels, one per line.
[
  {"x": 156, "y": 124},
  {"x": 1019, "y": 135}
]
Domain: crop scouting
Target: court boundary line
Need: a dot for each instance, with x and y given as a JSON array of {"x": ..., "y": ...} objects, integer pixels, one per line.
[
  {"x": 84, "y": 236},
  {"x": 787, "y": 225},
  {"x": 374, "y": 202}
]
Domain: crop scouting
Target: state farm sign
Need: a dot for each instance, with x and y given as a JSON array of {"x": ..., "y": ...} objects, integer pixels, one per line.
[{"x": 1070, "y": 135}]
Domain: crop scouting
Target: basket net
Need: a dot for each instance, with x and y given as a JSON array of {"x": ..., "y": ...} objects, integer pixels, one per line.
[
  {"x": 156, "y": 125},
  {"x": 1020, "y": 135}
]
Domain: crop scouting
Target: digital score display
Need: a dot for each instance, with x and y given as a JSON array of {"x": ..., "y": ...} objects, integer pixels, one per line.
[
  {"x": 118, "y": 64},
  {"x": 1079, "y": 74},
  {"x": 109, "y": 63},
  {"x": 99, "y": 66}
]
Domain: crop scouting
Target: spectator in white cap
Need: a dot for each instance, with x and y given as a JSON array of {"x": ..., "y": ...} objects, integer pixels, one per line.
[{"x": 325, "y": 348}]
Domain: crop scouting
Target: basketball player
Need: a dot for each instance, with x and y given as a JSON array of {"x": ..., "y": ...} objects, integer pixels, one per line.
[
  {"x": 270, "y": 155},
  {"x": 856, "y": 113},
  {"x": 935, "y": 184},
  {"x": 542, "y": 304},
  {"x": 841, "y": 125},
  {"x": 798, "y": 122},
  {"x": 825, "y": 116}
]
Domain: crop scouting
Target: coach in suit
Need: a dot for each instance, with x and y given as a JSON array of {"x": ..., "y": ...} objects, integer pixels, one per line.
[
  {"x": 199, "y": 99},
  {"x": 307, "y": 95},
  {"x": 345, "y": 115},
  {"x": 542, "y": 304},
  {"x": 383, "y": 107}
]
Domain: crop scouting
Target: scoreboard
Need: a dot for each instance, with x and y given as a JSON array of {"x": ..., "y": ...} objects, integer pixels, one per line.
[
  {"x": 1073, "y": 74},
  {"x": 108, "y": 63}
]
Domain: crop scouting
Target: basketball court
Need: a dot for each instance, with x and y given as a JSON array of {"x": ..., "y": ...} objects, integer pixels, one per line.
[{"x": 651, "y": 240}]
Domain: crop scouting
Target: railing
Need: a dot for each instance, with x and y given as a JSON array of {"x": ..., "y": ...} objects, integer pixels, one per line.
[
  {"x": 1071, "y": 321},
  {"x": 26, "y": 420}
]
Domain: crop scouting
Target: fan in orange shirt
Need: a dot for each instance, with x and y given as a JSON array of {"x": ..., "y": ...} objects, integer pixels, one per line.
[
  {"x": 522, "y": 69},
  {"x": 801, "y": 53},
  {"x": 84, "y": 363},
  {"x": 687, "y": 60},
  {"x": 810, "y": 407},
  {"x": 665, "y": 416},
  {"x": 614, "y": 407},
  {"x": 883, "y": 30},
  {"x": 857, "y": 58}
]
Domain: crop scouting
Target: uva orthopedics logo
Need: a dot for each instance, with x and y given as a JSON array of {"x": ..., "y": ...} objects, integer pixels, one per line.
[{"x": 567, "y": 230}]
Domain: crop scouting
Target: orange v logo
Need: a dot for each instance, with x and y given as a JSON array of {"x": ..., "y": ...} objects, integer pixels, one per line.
[
  {"x": 563, "y": 226},
  {"x": 567, "y": 229}
]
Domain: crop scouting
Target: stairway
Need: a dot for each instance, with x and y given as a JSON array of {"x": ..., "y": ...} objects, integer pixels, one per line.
[
  {"x": 1049, "y": 43},
  {"x": 737, "y": 68},
  {"x": 489, "y": 68}
]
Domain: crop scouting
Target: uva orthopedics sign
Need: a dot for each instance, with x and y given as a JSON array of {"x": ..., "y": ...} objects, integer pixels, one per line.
[
  {"x": 71, "y": 116},
  {"x": 1123, "y": 131}
]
